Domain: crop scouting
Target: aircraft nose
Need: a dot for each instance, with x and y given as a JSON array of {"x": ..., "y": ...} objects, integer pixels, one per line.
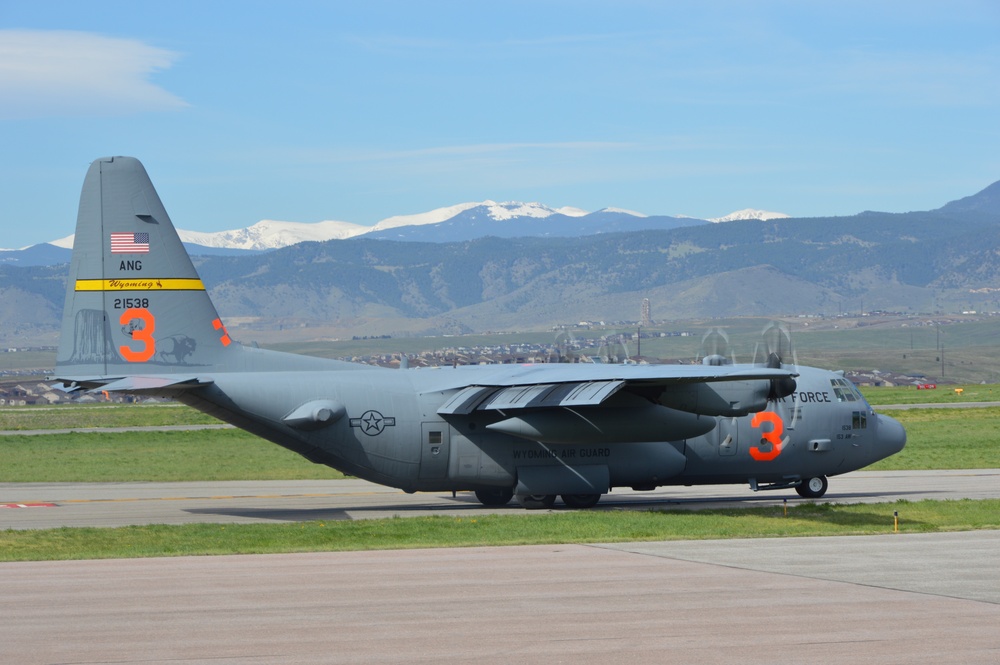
[{"x": 891, "y": 436}]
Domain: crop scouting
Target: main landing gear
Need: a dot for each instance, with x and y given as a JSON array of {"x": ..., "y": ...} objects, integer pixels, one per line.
[
  {"x": 581, "y": 501},
  {"x": 500, "y": 496},
  {"x": 541, "y": 501},
  {"x": 812, "y": 488}
]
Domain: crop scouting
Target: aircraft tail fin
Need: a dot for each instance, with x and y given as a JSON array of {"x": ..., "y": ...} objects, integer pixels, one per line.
[{"x": 135, "y": 304}]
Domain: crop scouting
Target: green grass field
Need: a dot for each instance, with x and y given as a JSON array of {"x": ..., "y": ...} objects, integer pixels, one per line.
[
  {"x": 976, "y": 392},
  {"x": 497, "y": 530},
  {"x": 947, "y": 439},
  {"x": 228, "y": 454},
  {"x": 65, "y": 416}
]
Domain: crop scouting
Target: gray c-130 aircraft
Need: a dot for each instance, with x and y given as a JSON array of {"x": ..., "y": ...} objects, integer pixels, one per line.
[{"x": 139, "y": 320}]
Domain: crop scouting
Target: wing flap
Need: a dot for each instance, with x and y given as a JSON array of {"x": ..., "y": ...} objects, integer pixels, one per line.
[
  {"x": 517, "y": 397},
  {"x": 594, "y": 392},
  {"x": 465, "y": 400},
  {"x": 535, "y": 395}
]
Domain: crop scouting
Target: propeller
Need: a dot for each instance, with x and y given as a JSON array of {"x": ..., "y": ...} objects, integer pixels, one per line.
[
  {"x": 775, "y": 351},
  {"x": 715, "y": 348},
  {"x": 614, "y": 347},
  {"x": 567, "y": 347}
]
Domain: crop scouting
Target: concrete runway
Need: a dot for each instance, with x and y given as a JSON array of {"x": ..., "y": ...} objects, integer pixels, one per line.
[
  {"x": 51, "y": 505},
  {"x": 893, "y": 599}
]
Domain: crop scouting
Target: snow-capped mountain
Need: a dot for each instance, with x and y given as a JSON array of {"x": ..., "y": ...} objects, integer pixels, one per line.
[
  {"x": 750, "y": 213},
  {"x": 65, "y": 243},
  {"x": 271, "y": 234},
  {"x": 511, "y": 209},
  {"x": 633, "y": 213},
  {"x": 458, "y": 222},
  {"x": 515, "y": 220},
  {"x": 420, "y": 219},
  {"x": 492, "y": 209}
]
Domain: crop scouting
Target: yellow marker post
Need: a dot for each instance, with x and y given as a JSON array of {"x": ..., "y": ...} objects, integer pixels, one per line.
[{"x": 895, "y": 521}]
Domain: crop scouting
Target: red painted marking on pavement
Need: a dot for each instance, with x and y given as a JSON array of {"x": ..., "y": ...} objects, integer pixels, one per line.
[{"x": 27, "y": 505}]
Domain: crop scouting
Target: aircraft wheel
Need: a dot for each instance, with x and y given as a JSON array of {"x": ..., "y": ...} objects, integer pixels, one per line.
[
  {"x": 581, "y": 501},
  {"x": 498, "y": 496},
  {"x": 536, "y": 501},
  {"x": 812, "y": 488}
]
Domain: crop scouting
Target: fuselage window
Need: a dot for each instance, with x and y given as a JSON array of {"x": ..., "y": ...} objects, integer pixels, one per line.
[{"x": 796, "y": 414}]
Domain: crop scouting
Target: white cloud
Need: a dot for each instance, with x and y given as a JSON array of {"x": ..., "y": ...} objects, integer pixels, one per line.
[{"x": 65, "y": 73}]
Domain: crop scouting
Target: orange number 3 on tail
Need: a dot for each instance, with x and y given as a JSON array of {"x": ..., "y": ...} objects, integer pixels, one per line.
[{"x": 143, "y": 335}]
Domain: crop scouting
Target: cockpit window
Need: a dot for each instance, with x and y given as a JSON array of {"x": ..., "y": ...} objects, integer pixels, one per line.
[{"x": 844, "y": 390}]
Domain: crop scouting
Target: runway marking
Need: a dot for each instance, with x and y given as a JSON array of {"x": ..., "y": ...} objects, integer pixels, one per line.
[{"x": 27, "y": 505}]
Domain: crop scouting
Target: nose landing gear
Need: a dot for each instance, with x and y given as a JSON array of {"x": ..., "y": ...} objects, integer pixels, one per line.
[{"x": 812, "y": 488}]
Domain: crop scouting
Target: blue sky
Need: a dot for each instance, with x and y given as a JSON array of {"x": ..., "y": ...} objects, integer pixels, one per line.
[{"x": 310, "y": 111}]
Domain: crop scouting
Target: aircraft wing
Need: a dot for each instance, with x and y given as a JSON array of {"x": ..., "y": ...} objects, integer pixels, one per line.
[{"x": 701, "y": 389}]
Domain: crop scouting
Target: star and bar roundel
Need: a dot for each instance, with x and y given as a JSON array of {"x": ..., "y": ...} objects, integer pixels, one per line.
[{"x": 373, "y": 423}]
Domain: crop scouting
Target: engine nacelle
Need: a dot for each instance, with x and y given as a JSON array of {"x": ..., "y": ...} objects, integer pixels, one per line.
[
  {"x": 315, "y": 415},
  {"x": 605, "y": 425},
  {"x": 718, "y": 398}
]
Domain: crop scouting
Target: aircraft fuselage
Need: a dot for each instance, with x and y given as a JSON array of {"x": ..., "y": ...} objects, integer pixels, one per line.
[{"x": 388, "y": 430}]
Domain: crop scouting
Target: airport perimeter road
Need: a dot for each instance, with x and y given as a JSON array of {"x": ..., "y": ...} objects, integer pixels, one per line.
[
  {"x": 43, "y": 506},
  {"x": 879, "y": 600}
]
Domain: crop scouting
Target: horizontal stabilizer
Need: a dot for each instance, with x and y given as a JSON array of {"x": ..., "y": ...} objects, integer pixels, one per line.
[{"x": 146, "y": 383}]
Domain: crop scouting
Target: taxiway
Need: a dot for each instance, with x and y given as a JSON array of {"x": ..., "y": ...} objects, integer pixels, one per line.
[{"x": 52, "y": 505}]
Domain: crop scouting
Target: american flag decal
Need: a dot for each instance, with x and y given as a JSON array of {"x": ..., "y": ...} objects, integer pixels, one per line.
[{"x": 130, "y": 243}]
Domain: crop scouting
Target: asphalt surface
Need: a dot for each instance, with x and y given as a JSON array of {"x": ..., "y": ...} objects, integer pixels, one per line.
[
  {"x": 51, "y": 505},
  {"x": 894, "y": 599}
]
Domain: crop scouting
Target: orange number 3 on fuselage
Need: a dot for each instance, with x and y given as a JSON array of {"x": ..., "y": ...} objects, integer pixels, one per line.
[
  {"x": 773, "y": 436},
  {"x": 143, "y": 335}
]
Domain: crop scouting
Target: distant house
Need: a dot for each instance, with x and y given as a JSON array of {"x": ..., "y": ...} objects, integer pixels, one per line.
[
  {"x": 49, "y": 398},
  {"x": 885, "y": 379}
]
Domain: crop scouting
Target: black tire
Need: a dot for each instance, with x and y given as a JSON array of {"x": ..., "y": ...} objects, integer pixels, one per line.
[
  {"x": 536, "y": 501},
  {"x": 812, "y": 488},
  {"x": 498, "y": 496},
  {"x": 581, "y": 501}
]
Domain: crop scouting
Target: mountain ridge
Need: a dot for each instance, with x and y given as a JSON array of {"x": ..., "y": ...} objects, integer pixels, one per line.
[
  {"x": 268, "y": 234},
  {"x": 943, "y": 260}
]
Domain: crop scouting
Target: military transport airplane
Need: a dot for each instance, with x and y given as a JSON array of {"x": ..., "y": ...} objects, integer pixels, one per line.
[{"x": 138, "y": 320}]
